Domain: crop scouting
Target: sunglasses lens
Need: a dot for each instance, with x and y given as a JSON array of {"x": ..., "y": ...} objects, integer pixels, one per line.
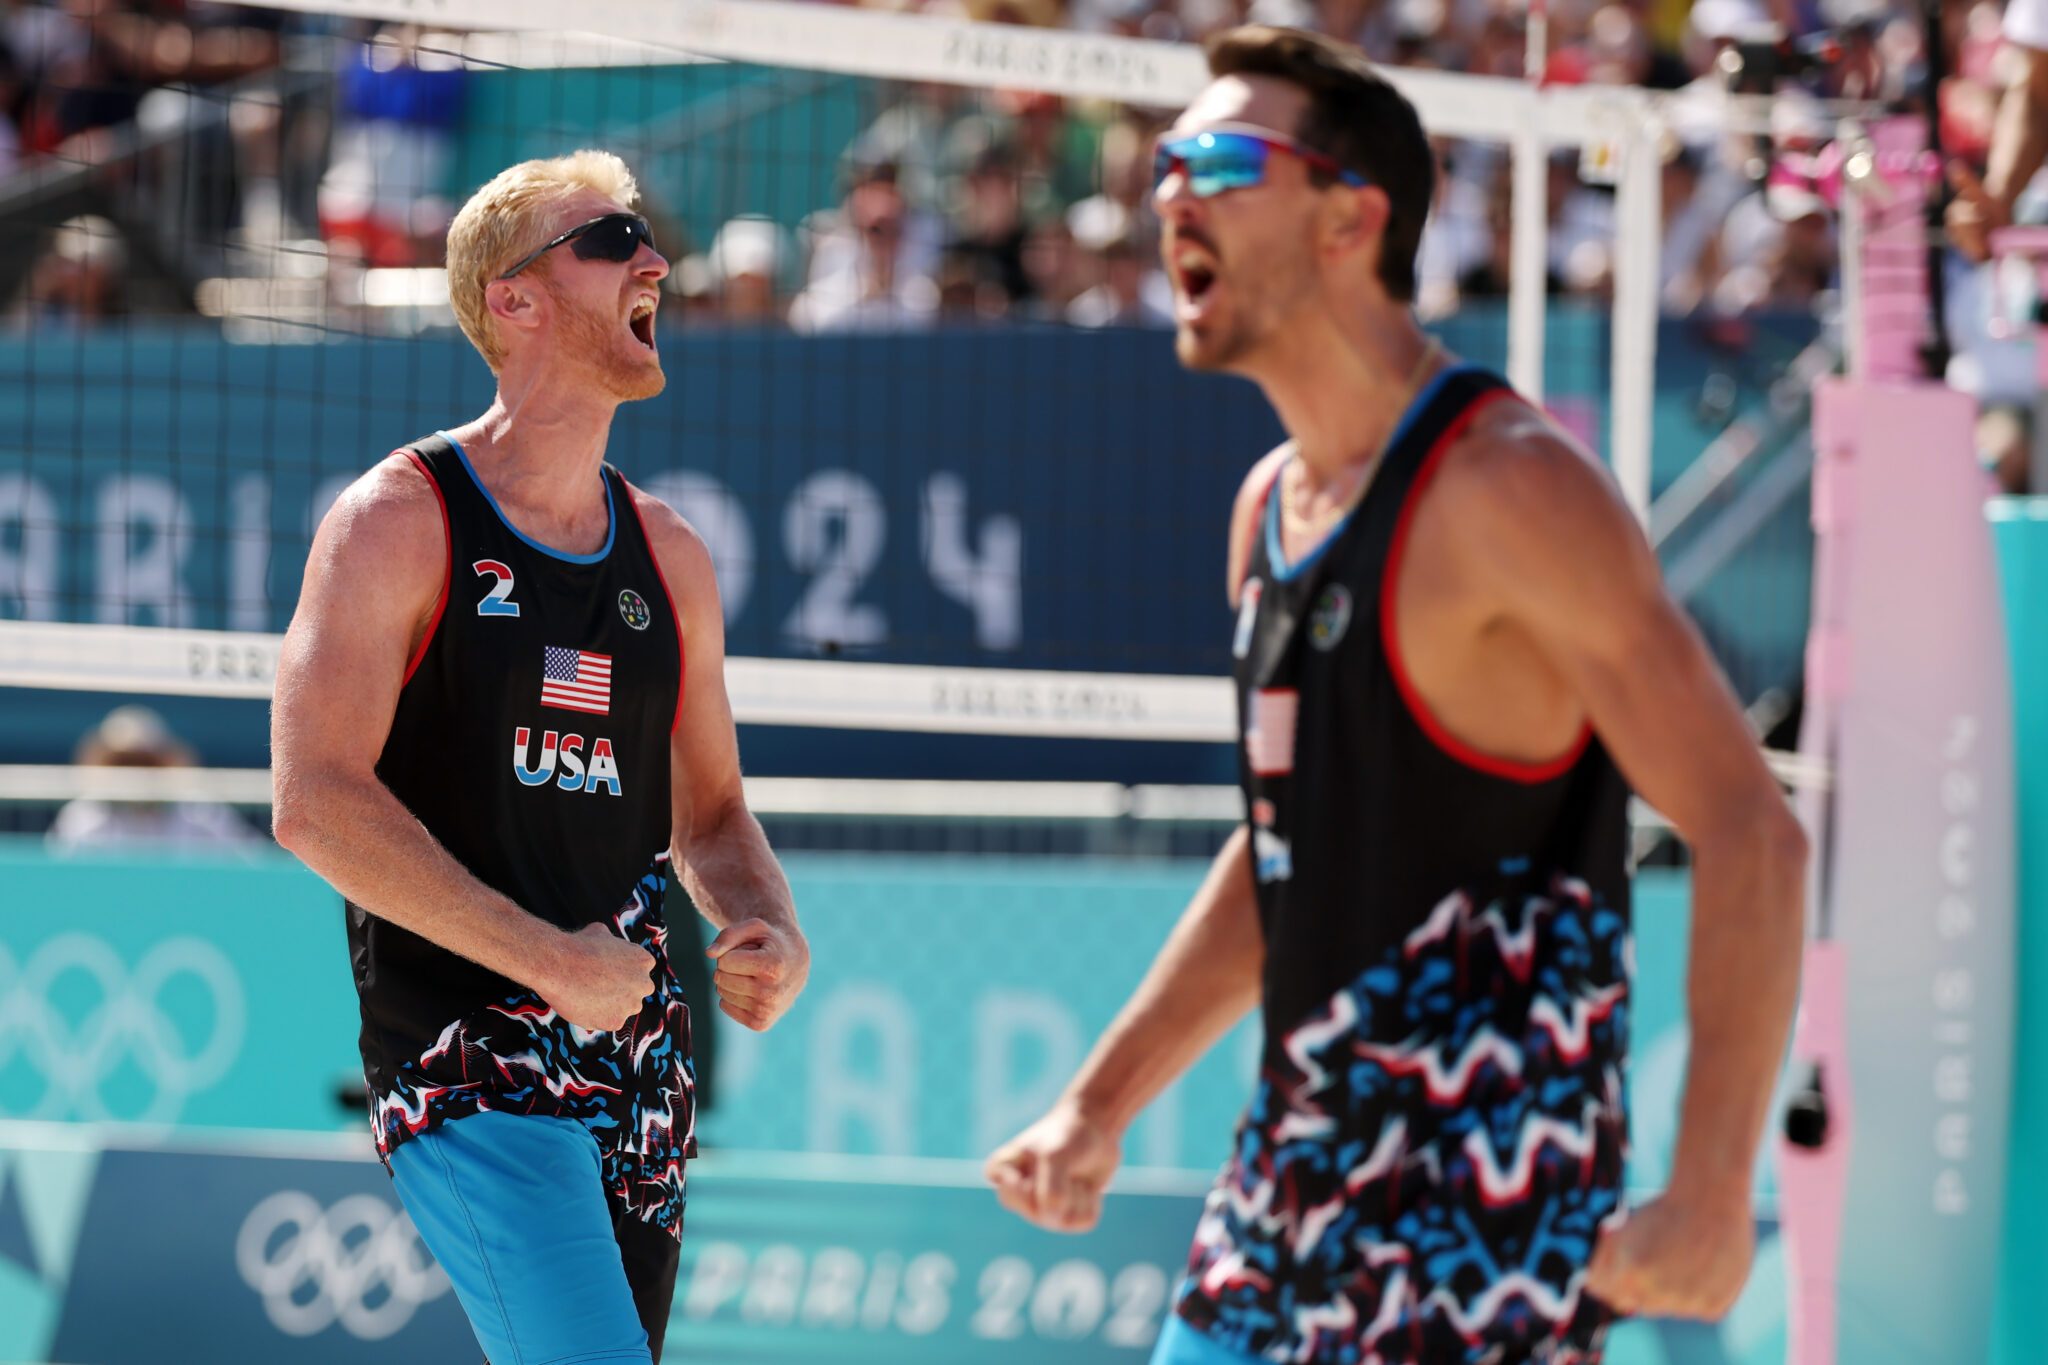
[
  {"x": 617, "y": 238},
  {"x": 1214, "y": 162},
  {"x": 1163, "y": 162}
]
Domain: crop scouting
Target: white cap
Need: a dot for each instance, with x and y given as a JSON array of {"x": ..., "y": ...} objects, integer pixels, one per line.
[
  {"x": 91, "y": 240},
  {"x": 748, "y": 245},
  {"x": 132, "y": 735},
  {"x": 1097, "y": 221},
  {"x": 1743, "y": 20}
]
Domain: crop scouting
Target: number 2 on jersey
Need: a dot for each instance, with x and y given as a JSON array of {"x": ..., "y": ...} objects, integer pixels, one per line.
[{"x": 494, "y": 602}]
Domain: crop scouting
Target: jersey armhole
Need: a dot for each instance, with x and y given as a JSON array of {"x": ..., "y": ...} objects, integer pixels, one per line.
[
  {"x": 447, "y": 569},
  {"x": 1390, "y": 577},
  {"x": 1253, "y": 529},
  {"x": 661, "y": 577}
]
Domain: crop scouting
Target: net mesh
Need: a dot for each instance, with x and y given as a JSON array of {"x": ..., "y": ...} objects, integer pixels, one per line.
[{"x": 920, "y": 403}]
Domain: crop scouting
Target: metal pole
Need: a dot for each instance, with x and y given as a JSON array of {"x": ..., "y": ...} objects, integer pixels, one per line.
[
  {"x": 1528, "y": 263},
  {"x": 1935, "y": 353},
  {"x": 1639, "y": 230},
  {"x": 1529, "y": 223},
  {"x": 1855, "y": 348}
]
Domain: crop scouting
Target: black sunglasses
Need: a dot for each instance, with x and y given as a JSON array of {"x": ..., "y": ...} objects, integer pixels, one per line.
[{"x": 614, "y": 237}]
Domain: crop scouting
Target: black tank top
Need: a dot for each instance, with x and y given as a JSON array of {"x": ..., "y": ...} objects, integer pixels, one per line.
[
  {"x": 1364, "y": 812},
  {"x": 531, "y": 739},
  {"x": 1438, "y": 1130}
]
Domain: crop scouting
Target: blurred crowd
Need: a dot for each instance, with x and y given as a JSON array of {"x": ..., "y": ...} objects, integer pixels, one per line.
[
  {"x": 1025, "y": 207},
  {"x": 969, "y": 205}
]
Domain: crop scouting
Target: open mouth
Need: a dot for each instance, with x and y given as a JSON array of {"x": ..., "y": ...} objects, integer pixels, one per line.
[
  {"x": 1195, "y": 274},
  {"x": 641, "y": 322}
]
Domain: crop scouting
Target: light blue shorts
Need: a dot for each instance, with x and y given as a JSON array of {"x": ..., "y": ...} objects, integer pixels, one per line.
[
  {"x": 1180, "y": 1344},
  {"x": 513, "y": 1207}
]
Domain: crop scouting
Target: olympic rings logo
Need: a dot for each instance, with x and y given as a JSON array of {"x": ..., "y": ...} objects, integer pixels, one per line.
[
  {"x": 360, "y": 1263},
  {"x": 124, "y": 1029}
]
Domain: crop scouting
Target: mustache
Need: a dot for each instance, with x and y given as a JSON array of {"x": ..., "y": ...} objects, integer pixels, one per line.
[{"x": 1191, "y": 237}]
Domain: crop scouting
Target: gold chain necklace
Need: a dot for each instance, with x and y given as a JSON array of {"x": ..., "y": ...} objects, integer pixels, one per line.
[{"x": 1291, "y": 494}]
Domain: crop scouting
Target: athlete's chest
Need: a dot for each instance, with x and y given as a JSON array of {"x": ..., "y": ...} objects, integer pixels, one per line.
[{"x": 576, "y": 668}]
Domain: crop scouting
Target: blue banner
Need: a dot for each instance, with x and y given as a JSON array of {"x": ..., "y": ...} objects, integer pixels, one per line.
[
  {"x": 1037, "y": 497},
  {"x": 949, "y": 999},
  {"x": 293, "y": 1248},
  {"x": 167, "y": 991}
]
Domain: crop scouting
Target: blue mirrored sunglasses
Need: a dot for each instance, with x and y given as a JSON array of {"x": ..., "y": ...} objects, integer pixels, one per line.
[
  {"x": 613, "y": 237},
  {"x": 1222, "y": 159}
]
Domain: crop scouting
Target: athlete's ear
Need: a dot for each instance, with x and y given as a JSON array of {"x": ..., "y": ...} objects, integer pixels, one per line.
[
  {"x": 1354, "y": 219},
  {"x": 518, "y": 302}
]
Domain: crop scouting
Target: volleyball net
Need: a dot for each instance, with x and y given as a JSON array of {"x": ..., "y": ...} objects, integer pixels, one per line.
[{"x": 967, "y": 511}]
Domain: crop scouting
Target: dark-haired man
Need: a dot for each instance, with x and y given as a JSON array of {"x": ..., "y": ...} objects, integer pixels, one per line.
[{"x": 1451, "y": 639}]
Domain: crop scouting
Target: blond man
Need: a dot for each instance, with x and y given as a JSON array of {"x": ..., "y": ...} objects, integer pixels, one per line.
[{"x": 498, "y": 585}]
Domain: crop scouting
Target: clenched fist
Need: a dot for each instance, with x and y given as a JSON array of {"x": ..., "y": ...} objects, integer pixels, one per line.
[
  {"x": 604, "y": 980},
  {"x": 761, "y": 969},
  {"x": 1054, "y": 1172},
  {"x": 1681, "y": 1256}
]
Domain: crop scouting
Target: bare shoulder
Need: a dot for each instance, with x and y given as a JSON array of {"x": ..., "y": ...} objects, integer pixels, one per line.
[
  {"x": 1244, "y": 512},
  {"x": 1530, "y": 520},
  {"x": 684, "y": 558},
  {"x": 1513, "y": 478},
  {"x": 667, "y": 532},
  {"x": 377, "y": 569},
  {"x": 390, "y": 519}
]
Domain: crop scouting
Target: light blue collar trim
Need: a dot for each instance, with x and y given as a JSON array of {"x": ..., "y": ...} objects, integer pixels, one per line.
[
  {"x": 1275, "y": 556},
  {"x": 611, "y": 515}
]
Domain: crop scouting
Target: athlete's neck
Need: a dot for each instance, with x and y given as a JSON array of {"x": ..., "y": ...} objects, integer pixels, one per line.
[
  {"x": 539, "y": 449},
  {"x": 1340, "y": 384}
]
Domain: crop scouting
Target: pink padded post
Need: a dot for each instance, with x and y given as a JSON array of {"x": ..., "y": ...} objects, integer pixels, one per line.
[{"x": 1814, "y": 1181}]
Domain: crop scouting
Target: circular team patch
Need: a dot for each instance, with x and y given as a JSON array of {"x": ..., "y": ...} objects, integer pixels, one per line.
[
  {"x": 633, "y": 607},
  {"x": 1331, "y": 617}
]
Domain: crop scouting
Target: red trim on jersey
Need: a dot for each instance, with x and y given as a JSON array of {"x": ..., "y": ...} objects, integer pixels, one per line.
[
  {"x": 447, "y": 574},
  {"x": 682, "y": 650},
  {"x": 1258, "y": 525},
  {"x": 1510, "y": 769}
]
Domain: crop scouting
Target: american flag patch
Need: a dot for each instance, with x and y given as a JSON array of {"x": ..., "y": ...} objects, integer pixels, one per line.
[
  {"x": 1269, "y": 731},
  {"x": 576, "y": 680}
]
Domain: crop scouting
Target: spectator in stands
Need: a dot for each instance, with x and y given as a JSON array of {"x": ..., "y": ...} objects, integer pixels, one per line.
[
  {"x": 80, "y": 277},
  {"x": 1458, "y": 239},
  {"x": 73, "y": 88},
  {"x": 873, "y": 265},
  {"x": 1055, "y": 266},
  {"x": 746, "y": 262},
  {"x": 12, "y": 94},
  {"x": 136, "y": 737},
  {"x": 988, "y": 218},
  {"x": 969, "y": 289},
  {"x": 1124, "y": 167},
  {"x": 130, "y": 50},
  {"x": 41, "y": 37},
  {"x": 383, "y": 197},
  {"x": 2019, "y": 142},
  {"x": 1689, "y": 262},
  {"x": 1131, "y": 293}
]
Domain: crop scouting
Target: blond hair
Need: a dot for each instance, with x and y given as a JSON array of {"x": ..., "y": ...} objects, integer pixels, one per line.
[{"x": 504, "y": 220}]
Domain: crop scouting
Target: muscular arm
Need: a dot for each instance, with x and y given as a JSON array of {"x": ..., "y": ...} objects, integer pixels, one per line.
[
  {"x": 2019, "y": 140},
  {"x": 2019, "y": 144},
  {"x": 376, "y": 570},
  {"x": 718, "y": 846},
  {"x": 1209, "y": 973},
  {"x": 1206, "y": 978},
  {"x": 1544, "y": 536}
]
